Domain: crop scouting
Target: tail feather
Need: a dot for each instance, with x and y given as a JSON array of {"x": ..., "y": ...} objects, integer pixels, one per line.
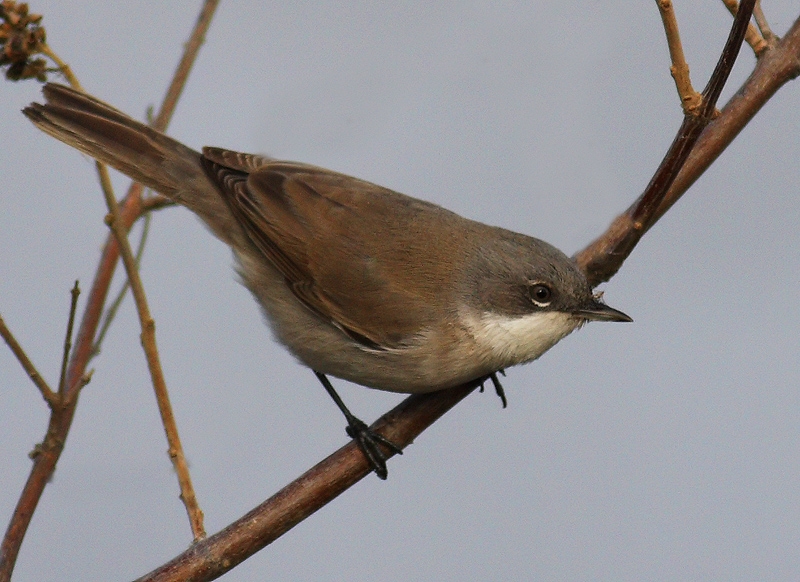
[{"x": 135, "y": 149}]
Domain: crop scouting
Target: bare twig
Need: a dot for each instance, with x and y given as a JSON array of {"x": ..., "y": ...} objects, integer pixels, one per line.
[
  {"x": 212, "y": 557},
  {"x": 130, "y": 209},
  {"x": 752, "y": 37},
  {"x": 690, "y": 99},
  {"x": 603, "y": 257},
  {"x": 49, "y": 396},
  {"x": 112, "y": 310},
  {"x": 763, "y": 26},
  {"x": 73, "y": 306},
  {"x": 156, "y": 202},
  {"x": 63, "y": 67},
  {"x": 148, "y": 338},
  {"x": 777, "y": 66}
]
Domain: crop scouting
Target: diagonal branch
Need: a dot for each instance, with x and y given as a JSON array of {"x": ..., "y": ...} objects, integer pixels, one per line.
[
  {"x": 212, "y": 557},
  {"x": 131, "y": 209},
  {"x": 603, "y": 257},
  {"x": 47, "y": 393},
  {"x": 759, "y": 42},
  {"x": 690, "y": 99},
  {"x": 219, "y": 553}
]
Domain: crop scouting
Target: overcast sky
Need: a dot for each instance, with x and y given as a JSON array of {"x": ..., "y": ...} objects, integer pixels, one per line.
[{"x": 666, "y": 449}]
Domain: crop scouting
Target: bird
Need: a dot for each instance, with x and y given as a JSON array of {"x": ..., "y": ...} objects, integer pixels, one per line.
[{"x": 359, "y": 282}]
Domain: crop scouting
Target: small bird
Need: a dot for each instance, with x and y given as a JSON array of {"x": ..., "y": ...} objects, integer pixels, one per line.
[{"x": 357, "y": 281}]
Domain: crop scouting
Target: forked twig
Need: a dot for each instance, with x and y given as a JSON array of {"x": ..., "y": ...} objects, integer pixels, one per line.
[
  {"x": 759, "y": 42},
  {"x": 603, "y": 257},
  {"x": 220, "y": 552},
  {"x": 47, "y": 393},
  {"x": 131, "y": 209}
]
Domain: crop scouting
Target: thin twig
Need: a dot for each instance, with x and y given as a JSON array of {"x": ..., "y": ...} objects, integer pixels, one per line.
[
  {"x": 63, "y": 67},
  {"x": 148, "y": 338},
  {"x": 603, "y": 257},
  {"x": 690, "y": 99},
  {"x": 50, "y": 451},
  {"x": 752, "y": 37},
  {"x": 112, "y": 310},
  {"x": 217, "y": 554},
  {"x": 49, "y": 396},
  {"x": 763, "y": 26},
  {"x": 73, "y": 306},
  {"x": 774, "y": 69},
  {"x": 156, "y": 202}
]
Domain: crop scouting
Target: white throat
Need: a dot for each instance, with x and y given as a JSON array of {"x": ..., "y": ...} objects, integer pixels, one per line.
[{"x": 516, "y": 340}]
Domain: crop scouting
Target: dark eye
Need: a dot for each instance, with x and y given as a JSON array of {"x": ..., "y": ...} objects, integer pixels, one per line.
[{"x": 541, "y": 294}]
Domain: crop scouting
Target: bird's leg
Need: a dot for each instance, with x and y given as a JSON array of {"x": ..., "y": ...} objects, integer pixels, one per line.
[
  {"x": 366, "y": 439},
  {"x": 498, "y": 388}
]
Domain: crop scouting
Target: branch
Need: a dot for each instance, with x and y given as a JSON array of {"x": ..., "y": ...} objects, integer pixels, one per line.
[
  {"x": 130, "y": 210},
  {"x": 763, "y": 26},
  {"x": 691, "y": 100},
  {"x": 148, "y": 338},
  {"x": 758, "y": 42},
  {"x": 219, "y": 553},
  {"x": 603, "y": 257},
  {"x": 68, "y": 339},
  {"x": 47, "y": 393}
]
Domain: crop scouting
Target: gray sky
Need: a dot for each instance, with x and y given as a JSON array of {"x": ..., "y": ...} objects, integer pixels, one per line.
[{"x": 668, "y": 449}]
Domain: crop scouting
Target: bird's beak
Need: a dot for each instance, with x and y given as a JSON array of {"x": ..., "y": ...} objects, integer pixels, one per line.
[{"x": 598, "y": 311}]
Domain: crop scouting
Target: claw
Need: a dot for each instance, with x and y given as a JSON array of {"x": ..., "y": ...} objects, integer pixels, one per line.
[
  {"x": 498, "y": 388},
  {"x": 367, "y": 439}
]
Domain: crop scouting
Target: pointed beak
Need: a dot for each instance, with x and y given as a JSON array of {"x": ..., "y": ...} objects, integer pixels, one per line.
[{"x": 597, "y": 311}]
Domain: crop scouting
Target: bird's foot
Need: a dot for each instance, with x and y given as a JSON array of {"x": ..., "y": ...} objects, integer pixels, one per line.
[
  {"x": 498, "y": 387},
  {"x": 369, "y": 442}
]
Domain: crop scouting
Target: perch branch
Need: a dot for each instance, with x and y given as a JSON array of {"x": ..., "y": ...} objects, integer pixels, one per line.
[{"x": 131, "y": 208}]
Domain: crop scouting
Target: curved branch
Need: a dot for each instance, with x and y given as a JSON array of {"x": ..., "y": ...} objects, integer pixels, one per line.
[
  {"x": 603, "y": 257},
  {"x": 219, "y": 553},
  {"x": 131, "y": 209},
  {"x": 215, "y": 555}
]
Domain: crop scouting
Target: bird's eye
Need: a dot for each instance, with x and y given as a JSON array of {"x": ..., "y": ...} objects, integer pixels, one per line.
[{"x": 541, "y": 295}]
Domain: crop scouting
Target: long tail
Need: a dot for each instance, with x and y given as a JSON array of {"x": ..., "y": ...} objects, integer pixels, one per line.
[{"x": 142, "y": 153}]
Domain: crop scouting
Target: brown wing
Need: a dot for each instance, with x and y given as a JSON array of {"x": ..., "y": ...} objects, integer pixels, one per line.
[{"x": 351, "y": 251}]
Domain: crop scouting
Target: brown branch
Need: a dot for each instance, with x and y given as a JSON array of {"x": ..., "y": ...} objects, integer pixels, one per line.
[
  {"x": 219, "y": 553},
  {"x": 148, "y": 338},
  {"x": 690, "y": 99},
  {"x": 763, "y": 26},
  {"x": 73, "y": 306},
  {"x": 603, "y": 257},
  {"x": 50, "y": 450},
  {"x": 752, "y": 37},
  {"x": 49, "y": 396}
]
